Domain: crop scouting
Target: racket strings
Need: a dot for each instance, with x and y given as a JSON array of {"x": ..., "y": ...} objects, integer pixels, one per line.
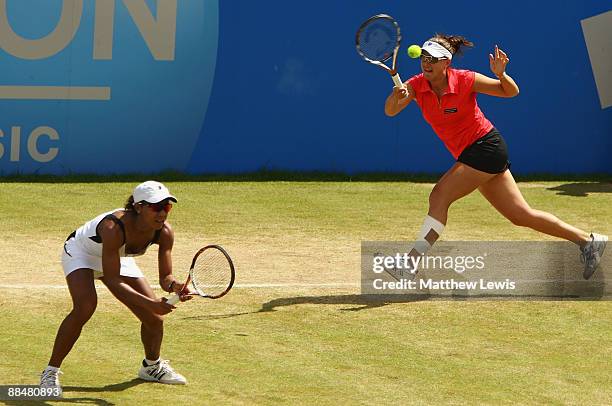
[
  {"x": 378, "y": 39},
  {"x": 211, "y": 273}
]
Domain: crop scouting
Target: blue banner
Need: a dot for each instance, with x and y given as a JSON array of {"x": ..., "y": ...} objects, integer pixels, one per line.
[{"x": 203, "y": 86}]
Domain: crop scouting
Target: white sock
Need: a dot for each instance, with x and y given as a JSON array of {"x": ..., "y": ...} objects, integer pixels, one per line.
[
  {"x": 50, "y": 368},
  {"x": 149, "y": 362},
  {"x": 430, "y": 224}
]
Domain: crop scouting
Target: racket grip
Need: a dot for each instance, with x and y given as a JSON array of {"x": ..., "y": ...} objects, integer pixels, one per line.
[
  {"x": 174, "y": 299},
  {"x": 397, "y": 81}
]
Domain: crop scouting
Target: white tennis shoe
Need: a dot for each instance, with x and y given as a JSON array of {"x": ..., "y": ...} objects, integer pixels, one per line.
[
  {"x": 592, "y": 253},
  {"x": 50, "y": 378},
  {"x": 161, "y": 372},
  {"x": 401, "y": 274}
]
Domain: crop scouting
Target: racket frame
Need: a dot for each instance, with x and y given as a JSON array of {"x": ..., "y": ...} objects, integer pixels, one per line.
[
  {"x": 393, "y": 69},
  {"x": 198, "y": 292}
]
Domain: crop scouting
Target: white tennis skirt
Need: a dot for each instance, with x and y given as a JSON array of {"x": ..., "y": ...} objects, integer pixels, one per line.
[{"x": 74, "y": 257}]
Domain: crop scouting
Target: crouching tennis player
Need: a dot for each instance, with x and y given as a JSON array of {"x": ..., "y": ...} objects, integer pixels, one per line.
[{"x": 103, "y": 248}]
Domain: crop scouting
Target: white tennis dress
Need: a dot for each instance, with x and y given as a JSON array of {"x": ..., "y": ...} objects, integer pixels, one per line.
[{"x": 83, "y": 249}]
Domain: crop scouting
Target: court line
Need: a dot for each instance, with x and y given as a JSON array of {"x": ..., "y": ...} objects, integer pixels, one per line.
[{"x": 239, "y": 286}]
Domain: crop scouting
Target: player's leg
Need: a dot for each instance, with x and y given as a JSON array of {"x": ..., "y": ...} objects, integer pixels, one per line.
[
  {"x": 457, "y": 182},
  {"x": 151, "y": 333},
  {"x": 84, "y": 301},
  {"x": 152, "y": 325},
  {"x": 503, "y": 193}
]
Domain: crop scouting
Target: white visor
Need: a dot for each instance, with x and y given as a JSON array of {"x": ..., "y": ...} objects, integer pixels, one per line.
[{"x": 436, "y": 50}]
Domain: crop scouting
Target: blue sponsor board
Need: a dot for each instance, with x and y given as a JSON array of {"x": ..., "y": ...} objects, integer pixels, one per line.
[
  {"x": 203, "y": 86},
  {"x": 104, "y": 86}
]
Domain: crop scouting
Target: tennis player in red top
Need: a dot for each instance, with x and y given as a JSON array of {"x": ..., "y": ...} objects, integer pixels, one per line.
[{"x": 447, "y": 98}]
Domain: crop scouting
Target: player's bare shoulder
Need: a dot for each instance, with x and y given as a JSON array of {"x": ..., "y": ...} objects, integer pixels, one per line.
[
  {"x": 166, "y": 235},
  {"x": 111, "y": 232}
]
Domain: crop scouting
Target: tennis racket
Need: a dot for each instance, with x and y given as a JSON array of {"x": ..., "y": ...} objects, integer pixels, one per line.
[
  {"x": 378, "y": 41},
  {"x": 211, "y": 274}
]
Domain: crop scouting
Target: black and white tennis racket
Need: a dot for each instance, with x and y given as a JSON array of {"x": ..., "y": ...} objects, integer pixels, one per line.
[
  {"x": 378, "y": 41},
  {"x": 211, "y": 274}
]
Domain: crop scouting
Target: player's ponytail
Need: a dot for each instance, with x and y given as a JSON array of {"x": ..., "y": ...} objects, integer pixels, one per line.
[
  {"x": 129, "y": 205},
  {"x": 453, "y": 43}
]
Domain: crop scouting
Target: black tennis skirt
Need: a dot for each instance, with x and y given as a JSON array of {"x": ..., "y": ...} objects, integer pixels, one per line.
[{"x": 488, "y": 154}]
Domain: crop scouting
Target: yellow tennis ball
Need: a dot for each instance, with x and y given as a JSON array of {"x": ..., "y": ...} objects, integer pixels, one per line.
[{"x": 414, "y": 51}]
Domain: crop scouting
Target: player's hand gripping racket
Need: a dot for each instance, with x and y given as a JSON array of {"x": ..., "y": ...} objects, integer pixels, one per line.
[
  {"x": 378, "y": 41},
  {"x": 211, "y": 274}
]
